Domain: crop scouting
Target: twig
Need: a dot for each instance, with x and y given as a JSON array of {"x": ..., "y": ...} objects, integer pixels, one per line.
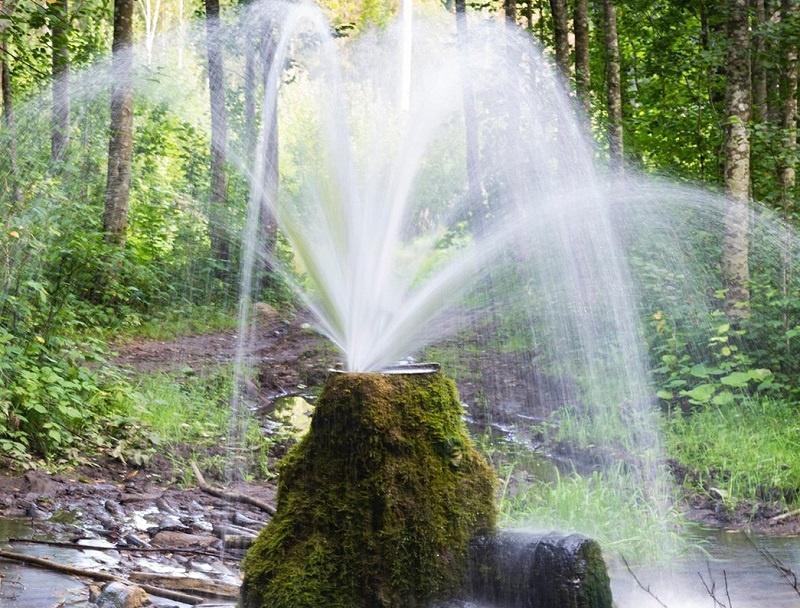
[
  {"x": 231, "y": 496},
  {"x": 712, "y": 590},
  {"x": 99, "y": 576},
  {"x": 782, "y": 516},
  {"x": 641, "y": 586},
  {"x": 773, "y": 561}
]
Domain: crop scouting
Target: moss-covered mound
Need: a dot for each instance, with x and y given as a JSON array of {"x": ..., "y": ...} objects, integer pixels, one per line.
[{"x": 377, "y": 504}]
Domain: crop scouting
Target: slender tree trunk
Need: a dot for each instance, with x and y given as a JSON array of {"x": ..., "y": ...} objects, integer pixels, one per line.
[
  {"x": 529, "y": 15},
  {"x": 613, "y": 87},
  {"x": 8, "y": 123},
  {"x": 475, "y": 193},
  {"x": 735, "y": 248},
  {"x": 6, "y": 9},
  {"x": 760, "y": 107},
  {"x": 219, "y": 134},
  {"x": 561, "y": 35},
  {"x": 787, "y": 167},
  {"x": 509, "y": 10},
  {"x": 269, "y": 224},
  {"x": 59, "y": 28},
  {"x": 582, "y": 71},
  {"x": 120, "y": 145}
]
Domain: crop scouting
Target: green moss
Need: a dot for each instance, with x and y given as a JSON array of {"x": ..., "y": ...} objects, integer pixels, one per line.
[{"x": 377, "y": 504}]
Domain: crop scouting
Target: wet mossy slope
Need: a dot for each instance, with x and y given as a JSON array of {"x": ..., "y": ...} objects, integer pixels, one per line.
[{"x": 377, "y": 504}]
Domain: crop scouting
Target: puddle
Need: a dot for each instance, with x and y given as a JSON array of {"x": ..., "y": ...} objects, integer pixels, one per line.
[
  {"x": 295, "y": 412},
  {"x": 25, "y": 586}
]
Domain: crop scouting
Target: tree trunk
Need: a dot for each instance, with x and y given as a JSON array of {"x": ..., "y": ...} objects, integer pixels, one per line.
[
  {"x": 510, "y": 11},
  {"x": 269, "y": 224},
  {"x": 120, "y": 145},
  {"x": 475, "y": 193},
  {"x": 582, "y": 71},
  {"x": 613, "y": 87},
  {"x": 6, "y": 8},
  {"x": 760, "y": 106},
  {"x": 59, "y": 29},
  {"x": 787, "y": 166},
  {"x": 734, "y": 263},
  {"x": 561, "y": 35},
  {"x": 8, "y": 122},
  {"x": 219, "y": 135}
]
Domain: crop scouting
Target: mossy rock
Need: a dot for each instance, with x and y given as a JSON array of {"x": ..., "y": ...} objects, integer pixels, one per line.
[{"x": 377, "y": 504}]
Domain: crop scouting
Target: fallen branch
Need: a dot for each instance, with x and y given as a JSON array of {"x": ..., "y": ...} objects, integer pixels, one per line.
[
  {"x": 231, "y": 496},
  {"x": 53, "y": 543},
  {"x": 786, "y": 571},
  {"x": 99, "y": 576},
  {"x": 782, "y": 516}
]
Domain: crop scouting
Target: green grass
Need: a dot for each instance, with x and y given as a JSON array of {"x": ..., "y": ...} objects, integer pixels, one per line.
[
  {"x": 190, "y": 418},
  {"x": 747, "y": 450},
  {"x": 618, "y": 511},
  {"x": 170, "y": 324}
]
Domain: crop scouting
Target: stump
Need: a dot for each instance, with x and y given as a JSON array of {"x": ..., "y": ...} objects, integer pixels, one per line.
[
  {"x": 377, "y": 504},
  {"x": 530, "y": 570}
]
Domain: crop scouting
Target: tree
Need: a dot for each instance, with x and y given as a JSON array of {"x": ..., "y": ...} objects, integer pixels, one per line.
[
  {"x": 59, "y": 31},
  {"x": 120, "y": 145},
  {"x": 561, "y": 35},
  {"x": 735, "y": 247},
  {"x": 475, "y": 193},
  {"x": 219, "y": 133},
  {"x": 613, "y": 86},
  {"x": 582, "y": 70},
  {"x": 6, "y": 9}
]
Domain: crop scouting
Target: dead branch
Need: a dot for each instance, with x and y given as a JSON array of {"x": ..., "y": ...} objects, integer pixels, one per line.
[
  {"x": 231, "y": 496},
  {"x": 641, "y": 585},
  {"x": 782, "y": 516},
  {"x": 53, "y": 543},
  {"x": 98, "y": 576},
  {"x": 786, "y": 571}
]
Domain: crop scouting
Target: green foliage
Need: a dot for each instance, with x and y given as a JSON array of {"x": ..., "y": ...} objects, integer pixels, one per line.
[
  {"x": 53, "y": 405},
  {"x": 611, "y": 507},
  {"x": 723, "y": 376},
  {"x": 746, "y": 451}
]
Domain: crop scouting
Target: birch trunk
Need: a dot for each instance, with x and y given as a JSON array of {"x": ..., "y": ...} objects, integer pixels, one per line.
[
  {"x": 613, "y": 87},
  {"x": 735, "y": 246}
]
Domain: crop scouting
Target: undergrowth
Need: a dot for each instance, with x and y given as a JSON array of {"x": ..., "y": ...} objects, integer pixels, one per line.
[{"x": 745, "y": 452}]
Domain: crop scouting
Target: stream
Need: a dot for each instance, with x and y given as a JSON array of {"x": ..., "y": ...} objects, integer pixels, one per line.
[{"x": 752, "y": 582}]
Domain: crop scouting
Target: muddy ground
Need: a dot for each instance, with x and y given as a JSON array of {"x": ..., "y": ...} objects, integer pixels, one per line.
[{"x": 133, "y": 508}]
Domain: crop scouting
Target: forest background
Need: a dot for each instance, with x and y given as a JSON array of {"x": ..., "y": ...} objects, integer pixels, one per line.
[{"x": 121, "y": 220}]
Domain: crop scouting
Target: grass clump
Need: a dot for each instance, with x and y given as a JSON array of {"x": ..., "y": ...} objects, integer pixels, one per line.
[
  {"x": 190, "y": 418},
  {"x": 746, "y": 451}
]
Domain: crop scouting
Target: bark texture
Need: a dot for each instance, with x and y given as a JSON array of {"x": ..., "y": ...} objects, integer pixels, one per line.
[
  {"x": 219, "y": 134},
  {"x": 613, "y": 86},
  {"x": 735, "y": 246},
  {"x": 475, "y": 191},
  {"x": 582, "y": 70},
  {"x": 120, "y": 145},
  {"x": 760, "y": 107},
  {"x": 561, "y": 35}
]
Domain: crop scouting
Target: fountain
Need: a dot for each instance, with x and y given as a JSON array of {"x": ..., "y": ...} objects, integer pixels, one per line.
[
  {"x": 385, "y": 502},
  {"x": 527, "y": 257}
]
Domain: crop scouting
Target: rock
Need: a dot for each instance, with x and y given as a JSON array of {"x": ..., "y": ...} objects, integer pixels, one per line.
[
  {"x": 177, "y": 540},
  {"x": 536, "y": 570},
  {"x": 118, "y": 595}
]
